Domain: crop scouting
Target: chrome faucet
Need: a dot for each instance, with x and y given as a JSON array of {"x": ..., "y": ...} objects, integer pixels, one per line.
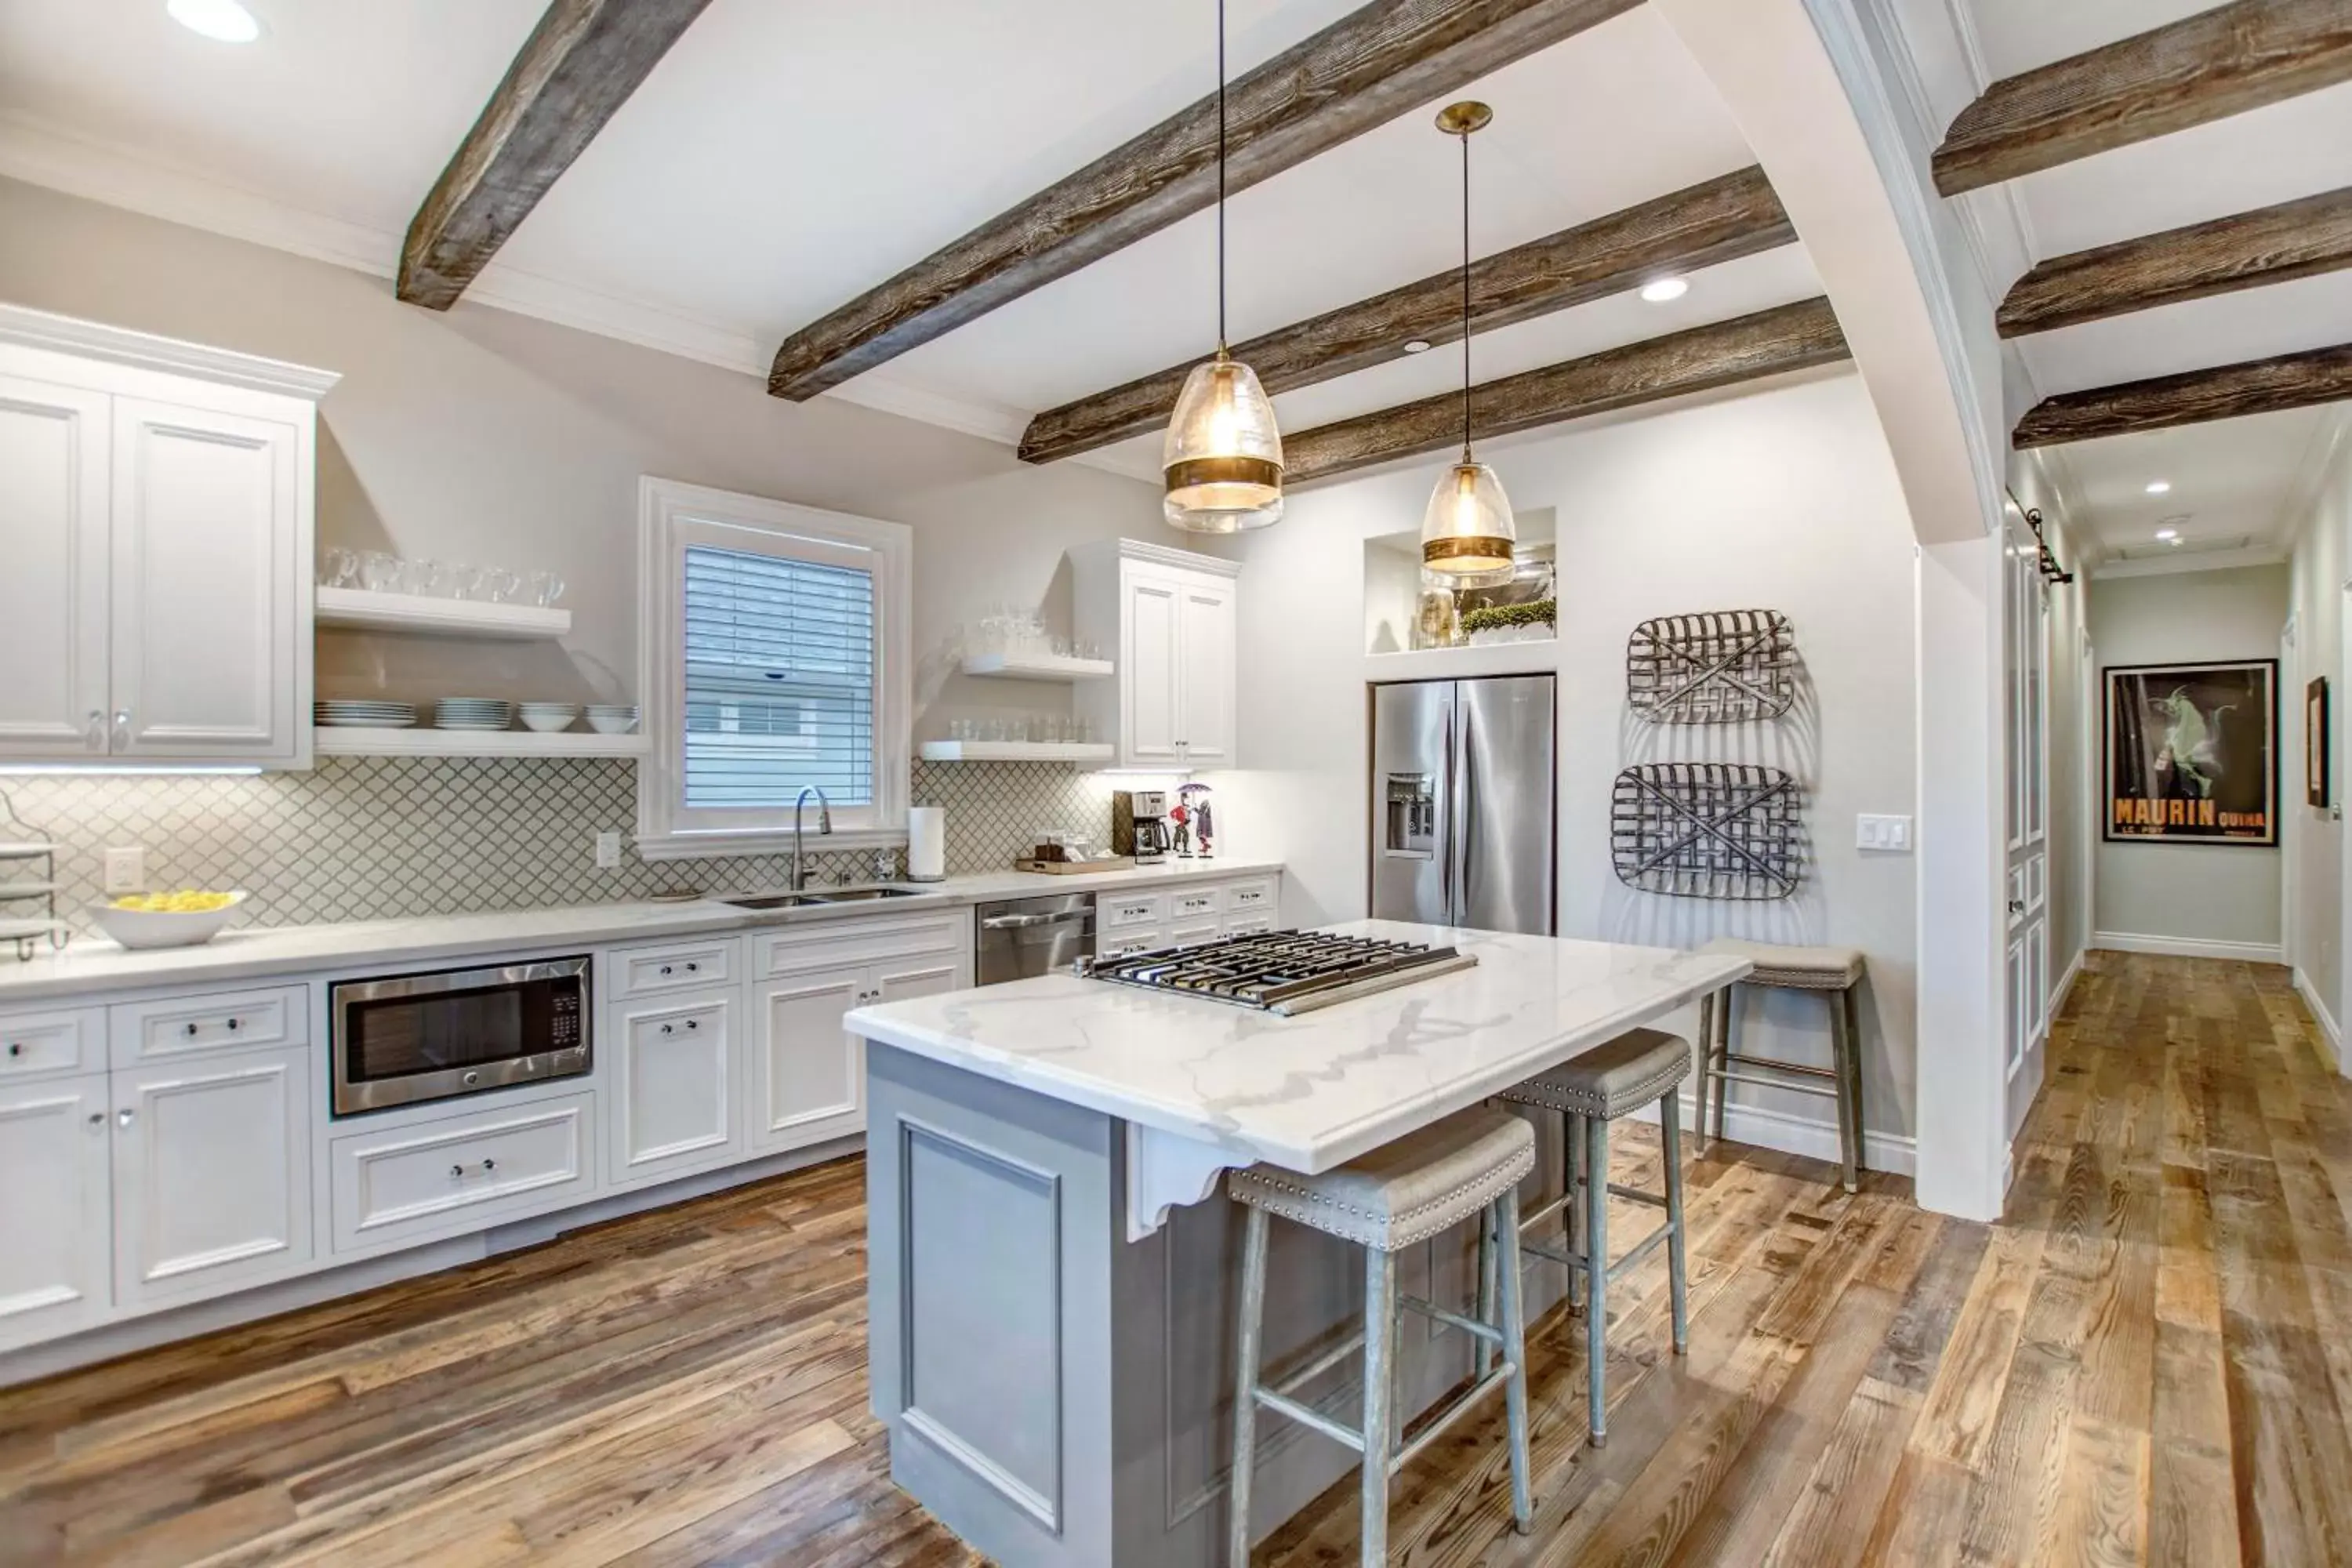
[{"x": 824, "y": 828}]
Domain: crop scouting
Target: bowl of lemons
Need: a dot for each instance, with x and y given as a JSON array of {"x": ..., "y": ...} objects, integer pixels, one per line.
[{"x": 179, "y": 919}]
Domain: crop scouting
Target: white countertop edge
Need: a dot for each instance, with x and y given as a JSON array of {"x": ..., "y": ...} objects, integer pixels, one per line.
[
  {"x": 1709, "y": 973},
  {"x": 91, "y": 966}
]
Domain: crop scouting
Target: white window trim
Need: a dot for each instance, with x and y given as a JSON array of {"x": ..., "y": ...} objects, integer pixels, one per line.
[{"x": 672, "y": 514}]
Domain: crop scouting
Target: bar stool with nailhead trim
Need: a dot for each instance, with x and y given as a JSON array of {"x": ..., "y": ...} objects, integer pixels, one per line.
[
  {"x": 1831, "y": 973},
  {"x": 1636, "y": 1068},
  {"x": 1469, "y": 1165}
]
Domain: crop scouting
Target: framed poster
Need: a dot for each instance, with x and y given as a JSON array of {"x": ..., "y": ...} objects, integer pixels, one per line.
[
  {"x": 2315, "y": 743},
  {"x": 2193, "y": 752}
]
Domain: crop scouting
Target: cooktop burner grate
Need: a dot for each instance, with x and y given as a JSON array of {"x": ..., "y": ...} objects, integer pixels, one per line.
[{"x": 1282, "y": 972}]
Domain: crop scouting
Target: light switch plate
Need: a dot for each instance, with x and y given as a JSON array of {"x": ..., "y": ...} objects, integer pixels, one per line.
[
  {"x": 126, "y": 870},
  {"x": 1887, "y": 834},
  {"x": 608, "y": 851}
]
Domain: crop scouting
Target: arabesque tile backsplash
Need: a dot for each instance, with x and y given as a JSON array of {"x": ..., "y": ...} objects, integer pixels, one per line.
[{"x": 390, "y": 837}]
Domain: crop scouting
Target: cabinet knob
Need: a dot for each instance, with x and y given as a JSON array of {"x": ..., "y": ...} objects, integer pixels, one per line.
[
  {"x": 122, "y": 1118},
  {"x": 489, "y": 1165},
  {"x": 666, "y": 1029},
  {"x": 15, "y": 1048},
  {"x": 98, "y": 1119},
  {"x": 693, "y": 968},
  {"x": 190, "y": 1031},
  {"x": 122, "y": 726},
  {"x": 457, "y": 1172},
  {"x": 234, "y": 1024},
  {"x": 692, "y": 1025},
  {"x": 95, "y": 733}
]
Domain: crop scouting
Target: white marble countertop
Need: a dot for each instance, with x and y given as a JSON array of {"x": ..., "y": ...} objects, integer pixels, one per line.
[
  {"x": 91, "y": 965},
  {"x": 1313, "y": 1091}
]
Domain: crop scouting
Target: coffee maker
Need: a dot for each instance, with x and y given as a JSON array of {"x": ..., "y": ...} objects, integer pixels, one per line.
[{"x": 1139, "y": 824}]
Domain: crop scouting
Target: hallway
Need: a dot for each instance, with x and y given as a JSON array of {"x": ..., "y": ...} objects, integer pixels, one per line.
[{"x": 2149, "y": 1360}]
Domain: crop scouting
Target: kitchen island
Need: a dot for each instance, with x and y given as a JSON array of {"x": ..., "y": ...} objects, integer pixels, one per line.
[{"x": 1053, "y": 1271}]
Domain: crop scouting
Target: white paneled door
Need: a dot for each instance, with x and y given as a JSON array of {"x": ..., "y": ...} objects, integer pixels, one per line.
[
  {"x": 1152, "y": 665},
  {"x": 53, "y": 568},
  {"x": 207, "y": 526},
  {"x": 1206, "y": 637},
  {"x": 55, "y": 1159},
  {"x": 2025, "y": 621},
  {"x": 675, "y": 1075},
  {"x": 808, "y": 1072}
]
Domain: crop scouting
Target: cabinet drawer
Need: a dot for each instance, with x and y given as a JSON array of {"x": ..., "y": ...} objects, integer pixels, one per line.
[
  {"x": 1130, "y": 910},
  {"x": 462, "y": 1174},
  {"x": 1193, "y": 933},
  {"x": 690, "y": 966},
  {"x": 52, "y": 1044},
  {"x": 1121, "y": 944},
  {"x": 1193, "y": 904},
  {"x": 1247, "y": 898},
  {"x": 1243, "y": 925},
  {"x": 221, "y": 1021},
  {"x": 848, "y": 942}
]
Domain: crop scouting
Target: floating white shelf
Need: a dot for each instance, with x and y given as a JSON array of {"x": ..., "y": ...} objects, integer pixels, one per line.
[
  {"x": 329, "y": 740},
  {"x": 1036, "y": 666},
  {"x": 1014, "y": 751},
  {"x": 370, "y": 611}
]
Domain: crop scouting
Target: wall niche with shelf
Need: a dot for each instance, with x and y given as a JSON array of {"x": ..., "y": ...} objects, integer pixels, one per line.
[{"x": 1394, "y": 587}]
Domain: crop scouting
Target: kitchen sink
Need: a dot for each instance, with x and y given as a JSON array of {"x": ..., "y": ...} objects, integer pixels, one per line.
[{"x": 830, "y": 895}]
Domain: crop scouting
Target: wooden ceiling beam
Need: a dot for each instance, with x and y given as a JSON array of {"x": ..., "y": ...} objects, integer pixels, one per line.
[
  {"x": 2245, "y": 250},
  {"x": 1720, "y": 220},
  {"x": 578, "y": 67},
  {"x": 2258, "y": 386},
  {"x": 1363, "y": 70},
  {"x": 2206, "y": 67},
  {"x": 1770, "y": 342}
]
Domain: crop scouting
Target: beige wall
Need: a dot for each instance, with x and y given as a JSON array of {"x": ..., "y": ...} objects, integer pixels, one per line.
[
  {"x": 494, "y": 439},
  {"x": 1786, "y": 500},
  {"x": 2316, "y": 843},
  {"x": 2217, "y": 893}
]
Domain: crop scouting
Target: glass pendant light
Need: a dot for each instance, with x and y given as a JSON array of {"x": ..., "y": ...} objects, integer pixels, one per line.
[
  {"x": 1223, "y": 457},
  {"x": 1467, "y": 532}
]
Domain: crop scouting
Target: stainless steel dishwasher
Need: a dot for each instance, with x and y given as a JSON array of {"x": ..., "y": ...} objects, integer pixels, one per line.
[{"x": 1025, "y": 938}]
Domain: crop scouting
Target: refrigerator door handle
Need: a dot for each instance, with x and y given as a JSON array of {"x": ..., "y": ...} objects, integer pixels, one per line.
[
  {"x": 1466, "y": 804},
  {"x": 1451, "y": 807}
]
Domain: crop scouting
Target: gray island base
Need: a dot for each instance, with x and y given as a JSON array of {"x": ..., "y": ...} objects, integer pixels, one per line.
[{"x": 1055, "y": 1370}]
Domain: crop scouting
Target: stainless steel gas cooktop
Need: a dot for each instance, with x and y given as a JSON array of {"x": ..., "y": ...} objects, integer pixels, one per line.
[{"x": 1280, "y": 972}]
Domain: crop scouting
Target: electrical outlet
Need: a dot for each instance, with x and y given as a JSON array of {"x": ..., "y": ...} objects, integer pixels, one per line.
[
  {"x": 126, "y": 870},
  {"x": 608, "y": 851},
  {"x": 1887, "y": 835}
]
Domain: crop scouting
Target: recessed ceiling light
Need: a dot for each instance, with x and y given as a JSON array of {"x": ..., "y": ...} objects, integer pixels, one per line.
[
  {"x": 223, "y": 21},
  {"x": 2168, "y": 534},
  {"x": 1417, "y": 346},
  {"x": 1666, "y": 288},
  {"x": 2160, "y": 486}
]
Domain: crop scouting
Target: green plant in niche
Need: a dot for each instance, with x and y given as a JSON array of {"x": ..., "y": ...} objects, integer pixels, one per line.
[{"x": 1495, "y": 618}]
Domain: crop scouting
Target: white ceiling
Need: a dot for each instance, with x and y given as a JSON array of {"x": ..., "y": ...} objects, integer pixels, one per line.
[
  {"x": 784, "y": 158},
  {"x": 2241, "y": 473}
]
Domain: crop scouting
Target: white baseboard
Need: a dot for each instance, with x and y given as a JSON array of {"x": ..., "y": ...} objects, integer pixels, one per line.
[
  {"x": 2189, "y": 947},
  {"x": 1791, "y": 1134},
  {"x": 2066, "y": 982},
  {"x": 2331, "y": 1037}
]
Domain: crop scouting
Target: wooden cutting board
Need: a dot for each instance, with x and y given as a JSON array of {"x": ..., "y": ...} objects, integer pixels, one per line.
[{"x": 1076, "y": 868}]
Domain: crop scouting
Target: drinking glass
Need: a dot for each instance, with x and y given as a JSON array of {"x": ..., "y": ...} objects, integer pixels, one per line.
[
  {"x": 379, "y": 571},
  {"x": 546, "y": 588},
  {"x": 504, "y": 585}
]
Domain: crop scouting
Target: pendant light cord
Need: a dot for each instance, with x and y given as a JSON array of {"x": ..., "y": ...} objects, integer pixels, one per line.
[
  {"x": 1221, "y": 178},
  {"x": 1465, "y": 294}
]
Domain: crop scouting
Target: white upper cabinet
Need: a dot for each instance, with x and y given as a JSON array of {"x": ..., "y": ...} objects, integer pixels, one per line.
[
  {"x": 156, "y": 498},
  {"x": 1171, "y": 615}
]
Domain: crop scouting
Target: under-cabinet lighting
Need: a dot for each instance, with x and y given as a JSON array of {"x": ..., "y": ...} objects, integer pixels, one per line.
[
  {"x": 1665, "y": 289},
  {"x": 230, "y": 770},
  {"x": 1417, "y": 346},
  {"x": 2160, "y": 486},
  {"x": 223, "y": 21},
  {"x": 2168, "y": 534}
]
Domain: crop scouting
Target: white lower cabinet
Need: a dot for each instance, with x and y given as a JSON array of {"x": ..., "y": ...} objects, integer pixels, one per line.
[
  {"x": 808, "y": 1073},
  {"x": 211, "y": 1175},
  {"x": 673, "y": 1108},
  {"x": 56, "y": 1158}
]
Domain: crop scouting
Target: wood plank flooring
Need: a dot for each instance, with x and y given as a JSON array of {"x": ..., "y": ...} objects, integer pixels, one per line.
[{"x": 2149, "y": 1360}]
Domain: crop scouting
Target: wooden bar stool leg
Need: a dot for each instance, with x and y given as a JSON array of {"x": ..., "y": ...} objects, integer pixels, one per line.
[
  {"x": 1504, "y": 1221},
  {"x": 1670, "y": 1143},
  {"x": 1573, "y": 1217},
  {"x": 1380, "y": 1417},
  {"x": 1596, "y": 1274},
  {"x": 1841, "y": 1053},
  {"x": 1724, "y": 1009},
  {"x": 1246, "y": 1357}
]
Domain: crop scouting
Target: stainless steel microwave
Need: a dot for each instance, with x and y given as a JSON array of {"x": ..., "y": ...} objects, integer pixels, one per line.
[{"x": 405, "y": 1039}]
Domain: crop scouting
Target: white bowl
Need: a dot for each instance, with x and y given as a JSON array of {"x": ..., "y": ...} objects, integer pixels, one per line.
[
  {"x": 611, "y": 724},
  {"x": 162, "y": 928},
  {"x": 547, "y": 722}
]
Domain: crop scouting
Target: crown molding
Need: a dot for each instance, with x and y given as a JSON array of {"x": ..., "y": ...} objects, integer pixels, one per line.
[
  {"x": 42, "y": 156},
  {"x": 145, "y": 350},
  {"x": 2190, "y": 561},
  {"x": 1156, "y": 555}
]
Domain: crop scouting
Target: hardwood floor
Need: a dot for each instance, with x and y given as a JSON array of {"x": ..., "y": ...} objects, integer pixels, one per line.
[{"x": 2149, "y": 1360}]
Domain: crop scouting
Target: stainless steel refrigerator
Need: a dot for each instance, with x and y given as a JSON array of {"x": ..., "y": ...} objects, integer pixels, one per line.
[{"x": 1463, "y": 803}]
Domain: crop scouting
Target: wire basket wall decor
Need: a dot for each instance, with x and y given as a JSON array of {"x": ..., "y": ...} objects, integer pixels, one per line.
[
  {"x": 1722, "y": 667},
  {"x": 1706, "y": 830}
]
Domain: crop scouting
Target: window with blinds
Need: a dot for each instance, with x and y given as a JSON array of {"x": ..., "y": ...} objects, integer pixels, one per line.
[{"x": 779, "y": 680}]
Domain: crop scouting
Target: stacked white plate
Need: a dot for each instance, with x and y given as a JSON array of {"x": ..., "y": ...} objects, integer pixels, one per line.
[
  {"x": 344, "y": 713},
  {"x": 548, "y": 717},
  {"x": 472, "y": 713},
  {"x": 611, "y": 717}
]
